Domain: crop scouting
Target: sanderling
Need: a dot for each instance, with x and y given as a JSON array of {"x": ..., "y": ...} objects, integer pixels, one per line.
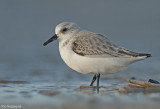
[{"x": 88, "y": 52}]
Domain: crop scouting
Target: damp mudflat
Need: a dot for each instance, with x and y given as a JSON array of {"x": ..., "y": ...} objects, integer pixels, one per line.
[
  {"x": 70, "y": 94},
  {"x": 35, "y": 77}
]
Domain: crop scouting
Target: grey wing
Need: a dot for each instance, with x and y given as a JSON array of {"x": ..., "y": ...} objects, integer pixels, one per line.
[{"x": 93, "y": 45}]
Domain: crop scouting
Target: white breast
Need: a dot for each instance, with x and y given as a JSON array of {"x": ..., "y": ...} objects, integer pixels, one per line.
[{"x": 86, "y": 65}]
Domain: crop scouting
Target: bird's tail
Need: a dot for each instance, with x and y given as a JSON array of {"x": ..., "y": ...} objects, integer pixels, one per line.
[
  {"x": 140, "y": 56},
  {"x": 143, "y": 54}
]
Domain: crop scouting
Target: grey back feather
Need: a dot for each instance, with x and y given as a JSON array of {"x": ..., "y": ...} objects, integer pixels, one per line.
[{"x": 91, "y": 44}]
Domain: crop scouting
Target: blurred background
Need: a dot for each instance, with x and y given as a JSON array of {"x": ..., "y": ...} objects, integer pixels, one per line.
[{"x": 26, "y": 24}]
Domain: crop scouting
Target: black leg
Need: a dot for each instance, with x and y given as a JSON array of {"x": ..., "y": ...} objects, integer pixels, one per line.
[
  {"x": 98, "y": 77},
  {"x": 93, "y": 79}
]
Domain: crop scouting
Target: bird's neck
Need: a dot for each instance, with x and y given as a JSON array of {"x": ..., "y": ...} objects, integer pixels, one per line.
[{"x": 65, "y": 43}]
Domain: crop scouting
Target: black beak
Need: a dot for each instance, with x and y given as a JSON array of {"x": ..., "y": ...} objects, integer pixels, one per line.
[{"x": 50, "y": 40}]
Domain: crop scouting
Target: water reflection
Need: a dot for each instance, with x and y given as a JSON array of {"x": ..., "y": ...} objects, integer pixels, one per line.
[
  {"x": 70, "y": 93},
  {"x": 32, "y": 74}
]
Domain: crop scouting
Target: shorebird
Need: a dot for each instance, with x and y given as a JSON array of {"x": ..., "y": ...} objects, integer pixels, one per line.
[{"x": 88, "y": 52}]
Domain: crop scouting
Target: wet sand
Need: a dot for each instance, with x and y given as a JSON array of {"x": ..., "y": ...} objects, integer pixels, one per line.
[
  {"x": 35, "y": 76},
  {"x": 54, "y": 95}
]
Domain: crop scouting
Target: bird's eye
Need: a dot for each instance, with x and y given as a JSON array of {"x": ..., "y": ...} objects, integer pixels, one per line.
[{"x": 64, "y": 29}]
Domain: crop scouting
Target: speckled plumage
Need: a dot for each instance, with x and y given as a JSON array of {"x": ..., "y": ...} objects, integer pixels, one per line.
[
  {"x": 92, "y": 44},
  {"x": 88, "y": 52}
]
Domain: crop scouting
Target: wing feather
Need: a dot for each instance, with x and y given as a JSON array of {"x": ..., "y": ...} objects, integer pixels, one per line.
[{"x": 91, "y": 44}]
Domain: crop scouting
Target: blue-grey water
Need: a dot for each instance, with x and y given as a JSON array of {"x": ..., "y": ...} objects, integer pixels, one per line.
[{"x": 26, "y": 24}]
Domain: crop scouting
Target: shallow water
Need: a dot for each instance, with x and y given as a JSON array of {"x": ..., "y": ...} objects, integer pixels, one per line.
[
  {"x": 26, "y": 25},
  {"x": 68, "y": 94}
]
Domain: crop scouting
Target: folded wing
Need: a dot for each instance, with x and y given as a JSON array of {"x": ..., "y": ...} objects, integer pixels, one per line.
[{"x": 97, "y": 45}]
